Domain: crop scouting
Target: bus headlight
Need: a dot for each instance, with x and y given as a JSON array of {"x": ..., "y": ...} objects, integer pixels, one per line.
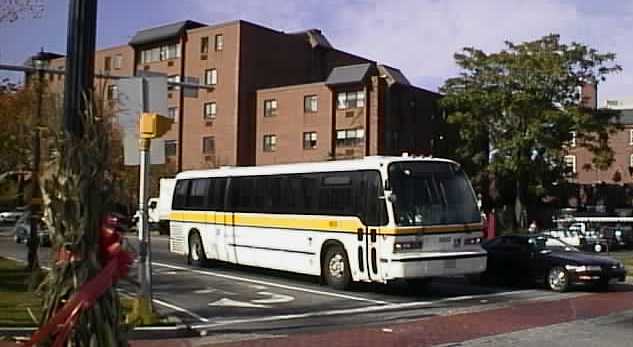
[
  {"x": 403, "y": 246},
  {"x": 472, "y": 241}
]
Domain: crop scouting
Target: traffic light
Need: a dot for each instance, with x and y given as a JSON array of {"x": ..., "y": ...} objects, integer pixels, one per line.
[{"x": 153, "y": 125}]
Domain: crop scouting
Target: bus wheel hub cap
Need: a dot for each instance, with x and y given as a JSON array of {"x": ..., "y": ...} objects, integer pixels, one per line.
[{"x": 337, "y": 266}]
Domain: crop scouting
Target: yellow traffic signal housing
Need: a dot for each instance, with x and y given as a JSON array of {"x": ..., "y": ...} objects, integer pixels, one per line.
[{"x": 153, "y": 125}]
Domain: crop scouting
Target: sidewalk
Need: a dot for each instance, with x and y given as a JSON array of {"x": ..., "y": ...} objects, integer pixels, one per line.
[{"x": 437, "y": 330}]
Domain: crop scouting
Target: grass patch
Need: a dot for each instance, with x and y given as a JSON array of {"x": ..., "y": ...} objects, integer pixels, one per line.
[{"x": 17, "y": 297}]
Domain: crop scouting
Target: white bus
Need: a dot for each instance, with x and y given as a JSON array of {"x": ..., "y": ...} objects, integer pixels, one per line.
[{"x": 373, "y": 220}]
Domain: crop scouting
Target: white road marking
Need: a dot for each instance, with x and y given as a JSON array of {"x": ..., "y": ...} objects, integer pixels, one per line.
[
  {"x": 274, "y": 298},
  {"x": 169, "y": 273},
  {"x": 359, "y": 310},
  {"x": 168, "y": 305},
  {"x": 234, "y": 303},
  {"x": 271, "y": 284},
  {"x": 204, "y": 291}
]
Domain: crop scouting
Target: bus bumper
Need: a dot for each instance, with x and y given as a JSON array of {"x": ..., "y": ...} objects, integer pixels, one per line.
[{"x": 434, "y": 265}]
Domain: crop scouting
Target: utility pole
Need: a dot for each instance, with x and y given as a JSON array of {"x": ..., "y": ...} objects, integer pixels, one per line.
[
  {"x": 80, "y": 52},
  {"x": 36, "y": 200}
]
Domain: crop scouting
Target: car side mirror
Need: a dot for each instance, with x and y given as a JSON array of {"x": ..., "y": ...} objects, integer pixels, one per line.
[{"x": 392, "y": 198}]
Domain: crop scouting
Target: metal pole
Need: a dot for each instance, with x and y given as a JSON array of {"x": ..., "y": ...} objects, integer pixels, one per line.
[
  {"x": 145, "y": 261},
  {"x": 80, "y": 56},
  {"x": 34, "y": 206}
]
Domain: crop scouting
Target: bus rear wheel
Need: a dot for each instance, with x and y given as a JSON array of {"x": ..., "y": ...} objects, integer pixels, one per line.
[
  {"x": 336, "y": 268},
  {"x": 196, "y": 251}
]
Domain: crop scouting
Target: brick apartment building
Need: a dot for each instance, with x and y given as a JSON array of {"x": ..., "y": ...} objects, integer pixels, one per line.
[
  {"x": 621, "y": 171},
  {"x": 276, "y": 98}
]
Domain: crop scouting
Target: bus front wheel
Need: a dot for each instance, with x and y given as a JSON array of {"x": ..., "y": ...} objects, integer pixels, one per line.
[
  {"x": 196, "y": 250},
  {"x": 336, "y": 268}
]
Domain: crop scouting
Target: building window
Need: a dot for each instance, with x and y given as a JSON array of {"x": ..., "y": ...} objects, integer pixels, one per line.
[
  {"x": 161, "y": 53},
  {"x": 112, "y": 92},
  {"x": 204, "y": 44},
  {"x": 270, "y": 143},
  {"x": 310, "y": 103},
  {"x": 208, "y": 145},
  {"x": 118, "y": 61},
  {"x": 570, "y": 163},
  {"x": 170, "y": 148},
  {"x": 631, "y": 137},
  {"x": 270, "y": 107},
  {"x": 349, "y": 137},
  {"x": 350, "y": 99},
  {"x": 631, "y": 161},
  {"x": 572, "y": 142},
  {"x": 211, "y": 77},
  {"x": 219, "y": 42},
  {"x": 107, "y": 63},
  {"x": 173, "y": 78},
  {"x": 310, "y": 140},
  {"x": 210, "y": 110},
  {"x": 172, "y": 112}
]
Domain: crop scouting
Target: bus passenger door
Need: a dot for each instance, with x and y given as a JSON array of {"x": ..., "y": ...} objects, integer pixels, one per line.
[{"x": 373, "y": 217}]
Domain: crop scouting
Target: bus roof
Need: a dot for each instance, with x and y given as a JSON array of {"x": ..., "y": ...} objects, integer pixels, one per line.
[{"x": 367, "y": 163}]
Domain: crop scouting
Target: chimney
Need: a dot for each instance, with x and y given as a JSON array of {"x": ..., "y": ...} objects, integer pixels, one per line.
[{"x": 589, "y": 94}]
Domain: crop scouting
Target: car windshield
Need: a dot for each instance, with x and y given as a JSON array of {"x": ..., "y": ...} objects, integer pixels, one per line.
[
  {"x": 551, "y": 243},
  {"x": 432, "y": 193}
]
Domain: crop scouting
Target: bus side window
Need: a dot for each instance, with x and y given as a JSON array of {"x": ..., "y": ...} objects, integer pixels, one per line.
[
  {"x": 180, "y": 194},
  {"x": 198, "y": 192},
  {"x": 375, "y": 213}
]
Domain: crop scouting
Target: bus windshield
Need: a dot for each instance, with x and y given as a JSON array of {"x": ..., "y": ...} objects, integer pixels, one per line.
[{"x": 431, "y": 193}]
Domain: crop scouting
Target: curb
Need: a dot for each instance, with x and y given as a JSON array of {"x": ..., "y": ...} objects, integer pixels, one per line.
[{"x": 139, "y": 333}]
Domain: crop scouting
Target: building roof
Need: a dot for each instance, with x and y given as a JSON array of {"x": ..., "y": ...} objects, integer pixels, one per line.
[
  {"x": 162, "y": 33},
  {"x": 348, "y": 74},
  {"x": 393, "y": 75},
  {"x": 43, "y": 56},
  {"x": 315, "y": 37}
]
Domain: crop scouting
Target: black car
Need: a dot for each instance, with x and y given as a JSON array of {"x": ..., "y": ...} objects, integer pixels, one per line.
[{"x": 547, "y": 259}]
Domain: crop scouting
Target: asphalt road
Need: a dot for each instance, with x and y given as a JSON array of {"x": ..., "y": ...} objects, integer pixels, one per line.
[{"x": 234, "y": 299}]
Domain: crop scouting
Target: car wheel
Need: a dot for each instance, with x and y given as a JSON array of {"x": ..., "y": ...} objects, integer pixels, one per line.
[
  {"x": 597, "y": 248},
  {"x": 336, "y": 268},
  {"x": 558, "y": 279},
  {"x": 196, "y": 251}
]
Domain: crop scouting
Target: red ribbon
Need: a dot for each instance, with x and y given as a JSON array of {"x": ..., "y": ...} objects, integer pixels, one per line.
[{"x": 117, "y": 265}]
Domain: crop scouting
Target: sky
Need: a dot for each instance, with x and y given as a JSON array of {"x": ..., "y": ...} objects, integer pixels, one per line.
[{"x": 417, "y": 36}]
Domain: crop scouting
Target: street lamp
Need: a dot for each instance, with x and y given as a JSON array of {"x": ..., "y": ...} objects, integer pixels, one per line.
[{"x": 39, "y": 62}]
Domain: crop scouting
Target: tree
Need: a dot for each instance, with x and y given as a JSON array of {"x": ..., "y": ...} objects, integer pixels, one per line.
[
  {"x": 16, "y": 106},
  {"x": 515, "y": 111},
  {"x": 12, "y": 10}
]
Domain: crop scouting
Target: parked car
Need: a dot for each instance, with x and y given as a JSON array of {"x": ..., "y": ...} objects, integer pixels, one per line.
[
  {"x": 22, "y": 230},
  {"x": 542, "y": 258},
  {"x": 571, "y": 237},
  {"x": 11, "y": 217}
]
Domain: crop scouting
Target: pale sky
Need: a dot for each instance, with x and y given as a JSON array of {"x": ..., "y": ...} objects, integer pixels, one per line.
[{"x": 417, "y": 36}]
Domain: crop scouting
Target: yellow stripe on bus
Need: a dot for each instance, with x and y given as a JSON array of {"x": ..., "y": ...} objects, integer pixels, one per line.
[{"x": 319, "y": 223}]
